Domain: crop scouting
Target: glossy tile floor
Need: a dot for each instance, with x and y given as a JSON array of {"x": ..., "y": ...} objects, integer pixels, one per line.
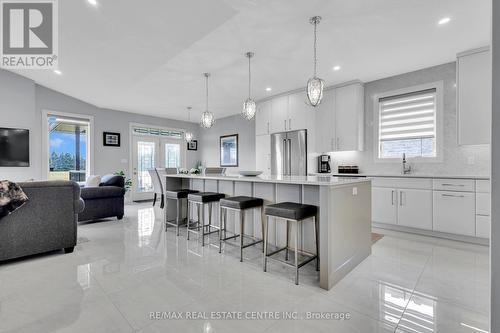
[{"x": 123, "y": 270}]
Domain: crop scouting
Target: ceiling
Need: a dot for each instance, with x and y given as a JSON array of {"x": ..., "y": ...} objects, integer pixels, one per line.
[{"x": 148, "y": 56}]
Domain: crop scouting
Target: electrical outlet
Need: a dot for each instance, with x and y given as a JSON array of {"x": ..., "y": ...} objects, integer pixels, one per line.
[
  {"x": 354, "y": 191},
  {"x": 124, "y": 161}
]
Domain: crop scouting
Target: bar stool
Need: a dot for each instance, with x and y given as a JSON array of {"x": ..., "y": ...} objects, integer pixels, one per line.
[
  {"x": 200, "y": 200},
  {"x": 176, "y": 195},
  {"x": 239, "y": 204},
  {"x": 292, "y": 212}
]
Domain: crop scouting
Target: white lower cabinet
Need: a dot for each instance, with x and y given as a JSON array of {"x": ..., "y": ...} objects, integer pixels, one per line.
[
  {"x": 483, "y": 226},
  {"x": 384, "y": 209},
  {"x": 455, "y": 212},
  {"x": 415, "y": 208}
]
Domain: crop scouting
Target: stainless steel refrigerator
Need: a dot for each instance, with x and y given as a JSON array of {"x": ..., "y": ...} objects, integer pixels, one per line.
[{"x": 289, "y": 153}]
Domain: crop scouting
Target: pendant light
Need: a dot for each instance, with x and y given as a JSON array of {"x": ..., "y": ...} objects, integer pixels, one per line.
[
  {"x": 207, "y": 117},
  {"x": 315, "y": 85},
  {"x": 249, "y": 106},
  {"x": 188, "y": 135}
]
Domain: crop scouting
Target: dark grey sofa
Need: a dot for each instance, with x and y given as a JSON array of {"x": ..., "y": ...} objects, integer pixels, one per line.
[
  {"x": 47, "y": 222},
  {"x": 104, "y": 201}
]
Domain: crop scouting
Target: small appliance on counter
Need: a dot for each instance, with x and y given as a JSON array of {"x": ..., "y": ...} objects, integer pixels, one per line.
[
  {"x": 348, "y": 169},
  {"x": 324, "y": 164}
]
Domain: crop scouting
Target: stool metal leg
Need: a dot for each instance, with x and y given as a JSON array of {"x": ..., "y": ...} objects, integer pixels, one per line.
[
  {"x": 316, "y": 230},
  {"x": 187, "y": 214},
  {"x": 178, "y": 216},
  {"x": 202, "y": 225},
  {"x": 262, "y": 217},
  {"x": 188, "y": 222},
  {"x": 287, "y": 239},
  {"x": 220, "y": 229},
  {"x": 266, "y": 235},
  {"x": 209, "y": 215},
  {"x": 242, "y": 225},
  {"x": 165, "y": 217},
  {"x": 297, "y": 252}
]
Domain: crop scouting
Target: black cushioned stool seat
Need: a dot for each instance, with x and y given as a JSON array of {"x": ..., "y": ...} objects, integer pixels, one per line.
[
  {"x": 291, "y": 210},
  {"x": 241, "y": 202},
  {"x": 203, "y": 197},
  {"x": 179, "y": 194}
]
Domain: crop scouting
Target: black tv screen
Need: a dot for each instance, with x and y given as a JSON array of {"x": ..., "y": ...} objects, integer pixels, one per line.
[{"x": 14, "y": 147}]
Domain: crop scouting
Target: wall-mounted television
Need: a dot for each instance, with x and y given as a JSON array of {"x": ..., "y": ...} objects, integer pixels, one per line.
[{"x": 14, "y": 147}]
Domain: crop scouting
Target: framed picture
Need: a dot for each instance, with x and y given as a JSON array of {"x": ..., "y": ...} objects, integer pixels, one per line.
[
  {"x": 229, "y": 150},
  {"x": 111, "y": 139},
  {"x": 192, "y": 145}
]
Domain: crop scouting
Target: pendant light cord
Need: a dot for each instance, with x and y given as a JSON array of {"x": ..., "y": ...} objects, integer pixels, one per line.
[
  {"x": 315, "y": 42},
  {"x": 206, "y": 76},
  {"x": 249, "y": 77}
]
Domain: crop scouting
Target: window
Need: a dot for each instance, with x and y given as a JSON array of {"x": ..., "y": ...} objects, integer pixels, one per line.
[{"x": 407, "y": 123}]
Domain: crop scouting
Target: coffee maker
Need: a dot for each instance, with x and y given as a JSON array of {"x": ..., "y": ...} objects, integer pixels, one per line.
[{"x": 324, "y": 164}]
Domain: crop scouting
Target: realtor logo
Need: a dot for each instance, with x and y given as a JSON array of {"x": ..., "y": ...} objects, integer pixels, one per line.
[{"x": 29, "y": 37}]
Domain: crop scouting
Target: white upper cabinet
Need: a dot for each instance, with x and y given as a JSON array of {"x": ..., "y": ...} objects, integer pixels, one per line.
[
  {"x": 340, "y": 119},
  {"x": 263, "y": 153},
  {"x": 263, "y": 118},
  {"x": 279, "y": 114},
  {"x": 299, "y": 112},
  {"x": 349, "y": 117},
  {"x": 474, "y": 97},
  {"x": 325, "y": 123}
]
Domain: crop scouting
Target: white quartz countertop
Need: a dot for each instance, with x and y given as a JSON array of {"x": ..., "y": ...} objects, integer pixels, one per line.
[
  {"x": 411, "y": 175},
  {"x": 301, "y": 180}
]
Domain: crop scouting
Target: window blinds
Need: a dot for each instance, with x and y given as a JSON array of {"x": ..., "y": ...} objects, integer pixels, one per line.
[{"x": 408, "y": 116}]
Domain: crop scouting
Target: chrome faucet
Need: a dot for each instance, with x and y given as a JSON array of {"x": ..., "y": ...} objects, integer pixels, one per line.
[{"x": 406, "y": 169}]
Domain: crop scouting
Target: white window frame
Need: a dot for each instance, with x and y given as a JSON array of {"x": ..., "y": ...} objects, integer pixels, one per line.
[
  {"x": 45, "y": 140},
  {"x": 438, "y": 86}
]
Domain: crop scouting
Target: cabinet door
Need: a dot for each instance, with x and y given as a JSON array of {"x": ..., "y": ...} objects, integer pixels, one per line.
[
  {"x": 263, "y": 153},
  {"x": 483, "y": 226},
  {"x": 474, "y": 98},
  {"x": 300, "y": 114},
  {"x": 279, "y": 114},
  {"x": 349, "y": 115},
  {"x": 262, "y": 118},
  {"x": 325, "y": 123},
  {"x": 384, "y": 205},
  {"x": 454, "y": 212},
  {"x": 415, "y": 208}
]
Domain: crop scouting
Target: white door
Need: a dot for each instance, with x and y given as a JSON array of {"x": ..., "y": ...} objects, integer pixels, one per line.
[
  {"x": 384, "y": 205},
  {"x": 145, "y": 156},
  {"x": 263, "y": 153},
  {"x": 415, "y": 208}
]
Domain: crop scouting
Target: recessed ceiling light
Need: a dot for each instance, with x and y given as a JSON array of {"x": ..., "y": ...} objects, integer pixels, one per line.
[
  {"x": 92, "y": 2},
  {"x": 58, "y": 72},
  {"x": 336, "y": 68},
  {"x": 444, "y": 20},
  {"x": 268, "y": 89}
]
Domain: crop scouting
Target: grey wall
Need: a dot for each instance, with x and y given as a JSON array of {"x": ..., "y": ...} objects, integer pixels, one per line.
[
  {"x": 495, "y": 175},
  {"x": 209, "y": 142},
  {"x": 22, "y": 102},
  {"x": 455, "y": 159}
]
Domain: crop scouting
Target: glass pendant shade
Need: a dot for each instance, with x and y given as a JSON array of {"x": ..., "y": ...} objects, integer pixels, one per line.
[
  {"x": 188, "y": 136},
  {"x": 315, "y": 90},
  {"x": 249, "y": 109},
  {"x": 207, "y": 119}
]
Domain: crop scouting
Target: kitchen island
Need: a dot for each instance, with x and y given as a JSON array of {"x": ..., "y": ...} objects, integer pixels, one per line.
[{"x": 344, "y": 213}]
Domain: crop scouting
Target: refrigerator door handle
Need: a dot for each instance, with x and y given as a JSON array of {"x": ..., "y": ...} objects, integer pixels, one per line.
[
  {"x": 283, "y": 160},
  {"x": 289, "y": 157}
]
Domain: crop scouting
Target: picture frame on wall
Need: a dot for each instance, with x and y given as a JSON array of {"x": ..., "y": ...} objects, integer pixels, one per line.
[
  {"x": 111, "y": 139},
  {"x": 192, "y": 145},
  {"x": 229, "y": 150}
]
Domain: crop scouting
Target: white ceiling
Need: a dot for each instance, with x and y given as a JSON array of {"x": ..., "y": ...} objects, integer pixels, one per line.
[{"x": 148, "y": 56}]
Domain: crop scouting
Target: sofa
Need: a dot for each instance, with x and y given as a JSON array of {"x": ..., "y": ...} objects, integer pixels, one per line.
[
  {"x": 106, "y": 200},
  {"x": 46, "y": 222}
]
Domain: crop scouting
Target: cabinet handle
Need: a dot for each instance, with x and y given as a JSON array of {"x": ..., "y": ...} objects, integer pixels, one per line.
[
  {"x": 392, "y": 197},
  {"x": 461, "y": 185},
  {"x": 289, "y": 123},
  {"x": 401, "y": 198},
  {"x": 331, "y": 144},
  {"x": 267, "y": 127},
  {"x": 452, "y": 196},
  {"x": 338, "y": 144},
  {"x": 285, "y": 124}
]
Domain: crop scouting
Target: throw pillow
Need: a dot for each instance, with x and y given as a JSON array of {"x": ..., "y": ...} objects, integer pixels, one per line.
[{"x": 93, "y": 181}]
